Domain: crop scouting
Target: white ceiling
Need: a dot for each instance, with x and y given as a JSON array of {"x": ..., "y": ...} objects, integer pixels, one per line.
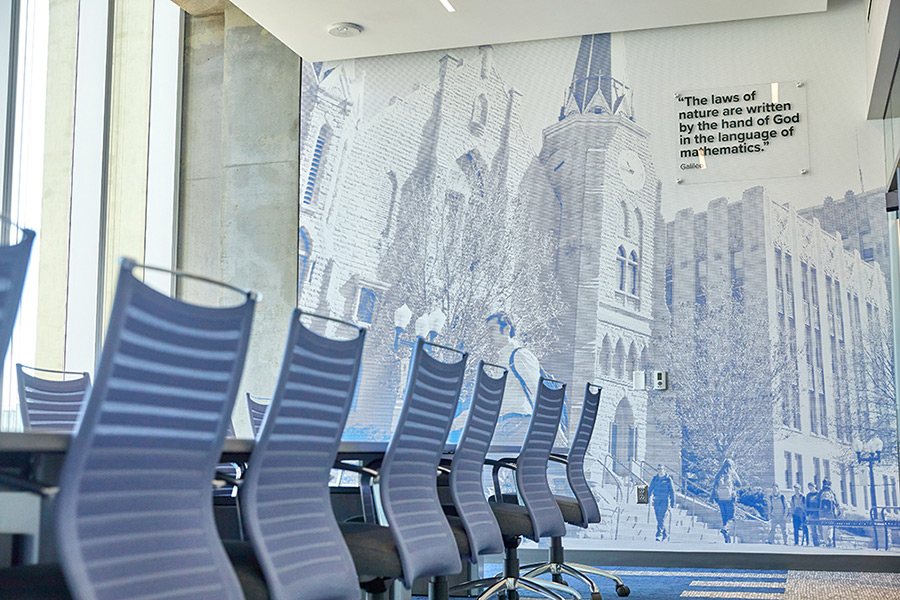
[{"x": 396, "y": 26}]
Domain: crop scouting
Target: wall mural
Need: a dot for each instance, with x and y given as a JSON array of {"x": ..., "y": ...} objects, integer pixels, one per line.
[{"x": 508, "y": 200}]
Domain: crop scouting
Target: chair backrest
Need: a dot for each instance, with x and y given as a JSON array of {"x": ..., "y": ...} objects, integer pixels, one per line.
[
  {"x": 531, "y": 465},
  {"x": 408, "y": 477},
  {"x": 466, "y": 471},
  {"x": 256, "y": 410},
  {"x": 590, "y": 512},
  {"x": 285, "y": 496},
  {"x": 13, "y": 266},
  {"x": 134, "y": 516},
  {"x": 50, "y": 404}
]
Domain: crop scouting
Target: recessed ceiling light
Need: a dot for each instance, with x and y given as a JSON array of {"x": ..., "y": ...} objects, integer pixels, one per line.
[
  {"x": 344, "y": 30},
  {"x": 448, "y": 6}
]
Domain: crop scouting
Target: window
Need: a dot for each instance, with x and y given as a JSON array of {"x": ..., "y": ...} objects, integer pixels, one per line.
[
  {"x": 843, "y": 484},
  {"x": 829, "y": 299},
  {"x": 669, "y": 287},
  {"x": 788, "y": 268},
  {"x": 622, "y": 268},
  {"x": 893, "y": 491},
  {"x": 817, "y": 472},
  {"x": 813, "y": 287},
  {"x": 303, "y": 265},
  {"x": 700, "y": 274},
  {"x": 737, "y": 274},
  {"x": 887, "y": 490},
  {"x": 852, "y": 485},
  {"x": 804, "y": 281},
  {"x": 365, "y": 308},
  {"x": 826, "y": 465},
  {"x": 626, "y": 225},
  {"x": 479, "y": 115},
  {"x": 798, "y": 461},
  {"x": 823, "y": 421},
  {"x": 814, "y": 424},
  {"x": 316, "y": 163},
  {"x": 778, "y": 283},
  {"x": 633, "y": 272},
  {"x": 788, "y": 470}
]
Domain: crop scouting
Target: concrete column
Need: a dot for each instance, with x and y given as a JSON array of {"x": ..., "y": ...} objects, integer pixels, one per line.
[
  {"x": 239, "y": 216},
  {"x": 52, "y": 266}
]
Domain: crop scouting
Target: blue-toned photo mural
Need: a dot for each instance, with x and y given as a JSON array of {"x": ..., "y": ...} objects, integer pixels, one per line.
[{"x": 523, "y": 202}]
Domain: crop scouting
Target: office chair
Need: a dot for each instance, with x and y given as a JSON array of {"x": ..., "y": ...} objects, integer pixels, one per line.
[
  {"x": 50, "y": 404},
  {"x": 469, "y": 514},
  {"x": 285, "y": 495},
  {"x": 256, "y": 410},
  {"x": 581, "y": 510},
  {"x": 540, "y": 515},
  {"x": 418, "y": 541},
  {"x": 13, "y": 266},
  {"x": 133, "y": 513}
]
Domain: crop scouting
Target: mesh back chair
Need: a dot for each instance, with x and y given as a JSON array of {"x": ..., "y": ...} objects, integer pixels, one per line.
[
  {"x": 418, "y": 542},
  {"x": 13, "y": 266},
  {"x": 466, "y": 487},
  {"x": 133, "y": 513},
  {"x": 408, "y": 483},
  {"x": 581, "y": 510},
  {"x": 256, "y": 410},
  {"x": 539, "y": 516},
  {"x": 285, "y": 494},
  {"x": 51, "y": 404}
]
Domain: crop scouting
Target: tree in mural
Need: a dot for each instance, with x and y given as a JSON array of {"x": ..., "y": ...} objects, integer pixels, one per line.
[
  {"x": 459, "y": 250},
  {"x": 728, "y": 381},
  {"x": 876, "y": 413}
]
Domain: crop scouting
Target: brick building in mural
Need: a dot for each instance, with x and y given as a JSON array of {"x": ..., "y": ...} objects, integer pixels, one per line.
[{"x": 758, "y": 269}]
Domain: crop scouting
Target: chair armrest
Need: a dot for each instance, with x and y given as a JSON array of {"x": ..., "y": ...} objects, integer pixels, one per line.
[
  {"x": 560, "y": 458},
  {"x": 27, "y": 485},
  {"x": 500, "y": 463},
  {"x": 367, "y": 477}
]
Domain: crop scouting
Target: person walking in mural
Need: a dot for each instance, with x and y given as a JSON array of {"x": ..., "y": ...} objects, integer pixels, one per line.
[
  {"x": 521, "y": 385},
  {"x": 798, "y": 516},
  {"x": 778, "y": 511},
  {"x": 812, "y": 513},
  {"x": 662, "y": 492},
  {"x": 724, "y": 489},
  {"x": 828, "y": 509}
]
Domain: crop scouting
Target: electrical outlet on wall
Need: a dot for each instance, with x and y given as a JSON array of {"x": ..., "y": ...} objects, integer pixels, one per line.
[
  {"x": 639, "y": 380},
  {"x": 643, "y": 494}
]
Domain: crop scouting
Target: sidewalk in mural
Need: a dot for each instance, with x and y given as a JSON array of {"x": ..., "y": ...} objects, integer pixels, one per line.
[{"x": 635, "y": 528}]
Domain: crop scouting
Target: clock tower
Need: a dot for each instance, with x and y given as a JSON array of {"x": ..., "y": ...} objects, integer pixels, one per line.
[{"x": 603, "y": 206}]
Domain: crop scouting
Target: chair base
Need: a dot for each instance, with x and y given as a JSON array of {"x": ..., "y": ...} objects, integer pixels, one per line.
[
  {"x": 558, "y": 567},
  {"x": 507, "y": 584}
]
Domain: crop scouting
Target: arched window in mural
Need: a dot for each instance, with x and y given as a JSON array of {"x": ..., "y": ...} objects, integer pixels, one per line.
[
  {"x": 606, "y": 357},
  {"x": 626, "y": 222},
  {"x": 365, "y": 308},
  {"x": 473, "y": 167},
  {"x": 623, "y": 437},
  {"x": 622, "y": 268},
  {"x": 304, "y": 256},
  {"x": 479, "y": 115},
  {"x": 619, "y": 361},
  {"x": 316, "y": 164},
  {"x": 633, "y": 273},
  {"x": 632, "y": 364}
]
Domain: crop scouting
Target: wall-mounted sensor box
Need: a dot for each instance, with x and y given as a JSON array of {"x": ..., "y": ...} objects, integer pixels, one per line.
[
  {"x": 660, "y": 380},
  {"x": 643, "y": 494},
  {"x": 639, "y": 380}
]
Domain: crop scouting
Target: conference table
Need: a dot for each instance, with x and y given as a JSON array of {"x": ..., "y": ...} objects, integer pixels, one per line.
[{"x": 38, "y": 457}]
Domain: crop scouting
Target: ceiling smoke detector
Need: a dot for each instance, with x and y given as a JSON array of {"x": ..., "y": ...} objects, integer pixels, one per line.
[{"x": 344, "y": 30}]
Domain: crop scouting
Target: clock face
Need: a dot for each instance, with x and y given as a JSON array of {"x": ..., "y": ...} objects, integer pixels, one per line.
[{"x": 631, "y": 170}]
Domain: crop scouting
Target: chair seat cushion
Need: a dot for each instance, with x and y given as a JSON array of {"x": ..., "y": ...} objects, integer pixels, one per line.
[
  {"x": 34, "y": 582},
  {"x": 513, "y": 519},
  {"x": 374, "y": 551},
  {"x": 459, "y": 533},
  {"x": 250, "y": 575},
  {"x": 571, "y": 510}
]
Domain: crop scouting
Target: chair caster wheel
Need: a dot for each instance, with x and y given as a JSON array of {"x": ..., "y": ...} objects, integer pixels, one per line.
[
  {"x": 596, "y": 596},
  {"x": 623, "y": 590}
]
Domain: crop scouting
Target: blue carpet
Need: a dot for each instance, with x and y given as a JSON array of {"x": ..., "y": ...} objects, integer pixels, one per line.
[{"x": 669, "y": 584}]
